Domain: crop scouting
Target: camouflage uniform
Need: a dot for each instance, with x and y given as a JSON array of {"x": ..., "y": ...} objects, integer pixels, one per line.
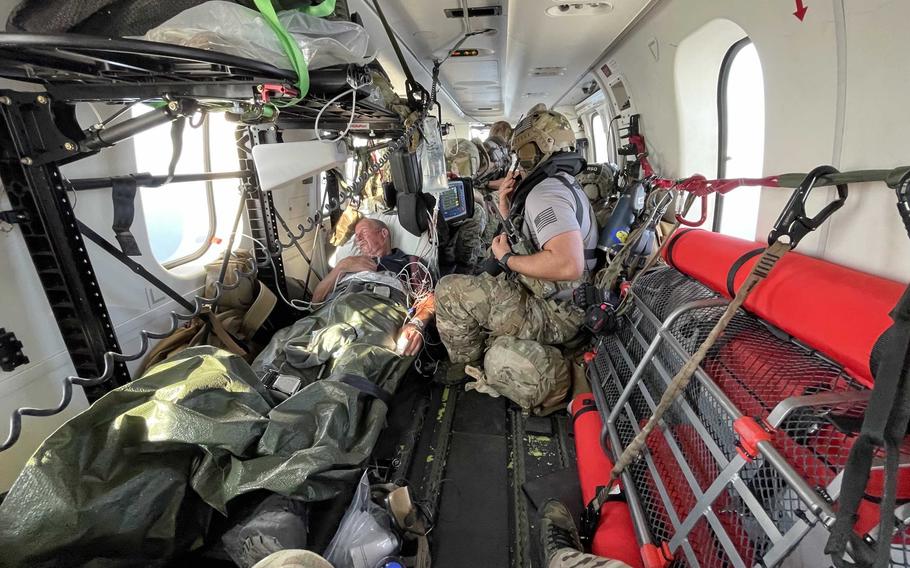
[
  {"x": 465, "y": 248},
  {"x": 598, "y": 183},
  {"x": 520, "y": 362}
]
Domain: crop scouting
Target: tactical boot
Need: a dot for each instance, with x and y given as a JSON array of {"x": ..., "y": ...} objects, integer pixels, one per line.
[
  {"x": 451, "y": 374},
  {"x": 557, "y": 530},
  {"x": 560, "y": 543}
]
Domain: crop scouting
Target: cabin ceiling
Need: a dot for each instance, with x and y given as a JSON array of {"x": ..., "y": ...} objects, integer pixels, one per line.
[{"x": 530, "y": 57}]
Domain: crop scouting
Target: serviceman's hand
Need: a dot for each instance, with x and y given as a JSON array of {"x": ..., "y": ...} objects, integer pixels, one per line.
[
  {"x": 506, "y": 189},
  {"x": 413, "y": 337},
  {"x": 500, "y": 246},
  {"x": 357, "y": 264}
]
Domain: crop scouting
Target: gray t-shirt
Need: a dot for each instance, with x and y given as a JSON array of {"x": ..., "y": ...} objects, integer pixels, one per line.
[{"x": 552, "y": 209}]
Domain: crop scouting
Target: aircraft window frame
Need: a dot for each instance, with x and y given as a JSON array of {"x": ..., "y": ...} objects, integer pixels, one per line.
[
  {"x": 595, "y": 144},
  {"x": 216, "y": 195},
  {"x": 723, "y": 126},
  {"x": 209, "y": 200}
]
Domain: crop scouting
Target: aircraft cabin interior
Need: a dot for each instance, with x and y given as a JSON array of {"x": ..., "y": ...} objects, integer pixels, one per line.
[{"x": 447, "y": 283}]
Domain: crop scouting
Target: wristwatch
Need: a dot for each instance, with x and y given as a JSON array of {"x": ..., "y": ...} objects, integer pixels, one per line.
[
  {"x": 418, "y": 324},
  {"x": 504, "y": 261}
]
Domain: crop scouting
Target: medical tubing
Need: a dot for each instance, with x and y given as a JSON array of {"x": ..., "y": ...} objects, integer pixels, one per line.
[
  {"x": 353, "y": 90},
  {"x": 111, "y": 358},
  {"x": 360, "y": 182},
  {"x": 307, "y": 305}
]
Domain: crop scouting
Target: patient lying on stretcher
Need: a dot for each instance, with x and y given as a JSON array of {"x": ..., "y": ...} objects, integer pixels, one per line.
[
  {"x": 142, "y": 471},
  {"x": 364, "y": 305}
]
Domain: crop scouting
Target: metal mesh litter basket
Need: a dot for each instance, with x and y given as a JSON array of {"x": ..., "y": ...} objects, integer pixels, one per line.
[{"x": 696, "y": 488}]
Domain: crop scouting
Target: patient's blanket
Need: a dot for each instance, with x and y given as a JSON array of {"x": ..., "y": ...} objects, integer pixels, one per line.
[
  {"x": 134, "y": 479},
  {"x": 354, "y": 333}
]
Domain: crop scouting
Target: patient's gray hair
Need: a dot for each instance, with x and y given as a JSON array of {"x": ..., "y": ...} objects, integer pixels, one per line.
[{"x": 377, "y": 224}]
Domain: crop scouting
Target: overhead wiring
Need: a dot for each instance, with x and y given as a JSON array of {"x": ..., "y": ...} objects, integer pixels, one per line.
[{"x": 353, "y": 91}]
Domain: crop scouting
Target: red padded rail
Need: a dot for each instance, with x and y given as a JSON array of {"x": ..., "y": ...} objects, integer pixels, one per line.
[
  {"x": 836, "y": 310},
  {"x": 615, "y": 535}
]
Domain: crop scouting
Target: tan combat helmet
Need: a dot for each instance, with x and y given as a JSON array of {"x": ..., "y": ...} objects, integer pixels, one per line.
[
  {"x": 462, "y": 157},
  {"x": 540, "y": 134},
  {"x": 501, "y": 131}
]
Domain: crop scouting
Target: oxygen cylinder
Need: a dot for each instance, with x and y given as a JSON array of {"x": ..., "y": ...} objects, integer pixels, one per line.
[
  {"x": 618, "y": 226},
  {"x": 432, "y": 157}
]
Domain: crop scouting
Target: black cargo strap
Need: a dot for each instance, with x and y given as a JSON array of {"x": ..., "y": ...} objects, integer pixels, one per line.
[
  {"x": 123, "y": 195},
  {"x": 362, "y": 384},
  {"x": 884, "y": 427},
  {"x": 134, "y": 266},
  {"x": 734, "y": 269},
  {"x": 574, "y": 188}
]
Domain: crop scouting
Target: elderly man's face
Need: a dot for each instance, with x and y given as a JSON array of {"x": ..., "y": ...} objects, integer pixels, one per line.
[{"x": 372, "y": 239}]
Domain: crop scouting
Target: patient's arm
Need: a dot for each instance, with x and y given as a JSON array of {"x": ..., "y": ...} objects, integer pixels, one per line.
[
  {"x": 344, "y": 266},
  {"x": 425, "y": 310},
  {"x": 412, "y": 332}
]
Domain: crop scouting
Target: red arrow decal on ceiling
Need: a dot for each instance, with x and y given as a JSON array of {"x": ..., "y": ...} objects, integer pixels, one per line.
[{"x": 800, "y": 10}]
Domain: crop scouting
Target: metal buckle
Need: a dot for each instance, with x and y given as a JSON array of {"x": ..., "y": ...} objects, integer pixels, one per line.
[
  {"x": 793, "y": 221},
  {"x": 287, "y": 385}
]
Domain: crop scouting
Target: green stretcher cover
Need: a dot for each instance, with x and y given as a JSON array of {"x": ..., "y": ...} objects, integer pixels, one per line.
[{"x": 135, "y": 479}]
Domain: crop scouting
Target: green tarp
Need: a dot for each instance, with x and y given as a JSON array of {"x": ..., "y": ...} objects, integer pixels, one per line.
[{"x": 134, "y": 480}]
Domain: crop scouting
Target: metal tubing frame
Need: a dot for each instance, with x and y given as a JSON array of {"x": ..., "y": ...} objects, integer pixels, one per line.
[
  {"x": 148, "y": 180},
  {"x": 708, "y": 513},
  {"x": 640, "y": 519},
  {"x": 261, "y": 207},
  {"x": 782, "y": 543},
  {"x": 28, "y": 130},
  {"x": 661, "y": 489}
]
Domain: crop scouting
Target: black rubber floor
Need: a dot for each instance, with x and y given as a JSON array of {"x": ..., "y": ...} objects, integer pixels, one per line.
[{"x": 475, "y": 463}]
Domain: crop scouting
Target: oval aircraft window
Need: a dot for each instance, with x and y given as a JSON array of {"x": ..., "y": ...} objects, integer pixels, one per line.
[
  {"x": 599, "y": 133},
  {"x": 741, "y": 97},
  {"x": 188, "y": 221}
]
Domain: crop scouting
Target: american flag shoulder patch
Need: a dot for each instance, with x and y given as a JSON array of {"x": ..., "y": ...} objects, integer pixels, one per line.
[{"x": 544, "y": 218}]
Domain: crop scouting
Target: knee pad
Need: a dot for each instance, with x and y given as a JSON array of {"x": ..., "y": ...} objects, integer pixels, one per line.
[{"x": 534, "y": 376}]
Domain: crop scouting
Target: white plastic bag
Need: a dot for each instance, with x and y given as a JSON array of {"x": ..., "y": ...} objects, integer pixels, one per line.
[
  {"x": 236, "y": 30},
  {"x": 365, "y": 535}
]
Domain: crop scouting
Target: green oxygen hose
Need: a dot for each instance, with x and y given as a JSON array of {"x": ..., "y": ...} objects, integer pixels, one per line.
[{"x": 289, "y": 44}]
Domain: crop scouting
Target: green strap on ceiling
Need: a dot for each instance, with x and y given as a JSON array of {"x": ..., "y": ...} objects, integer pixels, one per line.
[{"x": 298, "y": 62}]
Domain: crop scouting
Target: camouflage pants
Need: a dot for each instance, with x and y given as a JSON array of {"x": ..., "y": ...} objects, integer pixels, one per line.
[
  {"x": 520, "y": 361},
  {"x": 465, "y": 248},
  {"x": 571, "y": 558}
]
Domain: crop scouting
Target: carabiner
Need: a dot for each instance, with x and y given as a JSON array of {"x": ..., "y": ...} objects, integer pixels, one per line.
[
  {"x": 793, "y": 221},
  {"x": 704, "y": 214}
]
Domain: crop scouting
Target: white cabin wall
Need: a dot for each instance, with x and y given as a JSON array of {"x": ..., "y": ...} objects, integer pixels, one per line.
[
  {"x": 835, "y": 89},
  {"x": 132, "y": 303},
  {"x": 868, "y": 232}
]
